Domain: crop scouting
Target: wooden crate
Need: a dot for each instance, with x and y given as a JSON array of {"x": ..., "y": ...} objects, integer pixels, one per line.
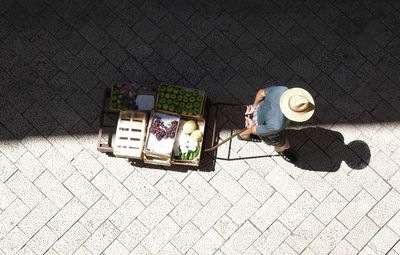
[
  {"x": 196, "y": 161},
  {"x": 153, "y": 157},
  {"x": 130, "y": 135},
  {"x": 203, "y": 102}
]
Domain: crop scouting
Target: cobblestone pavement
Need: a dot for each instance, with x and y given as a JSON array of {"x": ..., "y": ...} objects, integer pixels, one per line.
[{"x": 58, "y": 195}]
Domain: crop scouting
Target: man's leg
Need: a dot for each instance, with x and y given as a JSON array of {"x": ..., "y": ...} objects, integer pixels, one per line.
[{"x": 282, "y": 148}]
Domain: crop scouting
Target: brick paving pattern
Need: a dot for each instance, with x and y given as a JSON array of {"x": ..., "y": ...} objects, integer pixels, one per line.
[{"x": 58, "y": 195}]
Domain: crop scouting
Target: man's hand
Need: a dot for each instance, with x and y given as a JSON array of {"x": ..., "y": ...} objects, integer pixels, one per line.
[
  {"x": 250, "y": 110},
  {"x": 249, "y": 122}
]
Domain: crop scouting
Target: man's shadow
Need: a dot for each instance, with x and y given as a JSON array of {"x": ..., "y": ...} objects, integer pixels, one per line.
[{"x": 321, "y": 149}]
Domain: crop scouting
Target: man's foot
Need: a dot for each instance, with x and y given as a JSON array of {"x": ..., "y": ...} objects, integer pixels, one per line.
[
  {"x": 289, "y": 156},
  {"x": 251, "y": 138}
]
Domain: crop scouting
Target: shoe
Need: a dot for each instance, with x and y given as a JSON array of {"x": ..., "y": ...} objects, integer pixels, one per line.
[
  {"x": 289, "y": 156},
  {"x": 252, "y": 138}
]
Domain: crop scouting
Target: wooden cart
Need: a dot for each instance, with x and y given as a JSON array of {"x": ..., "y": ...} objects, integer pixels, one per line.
[{"x": 127, "y": 138}]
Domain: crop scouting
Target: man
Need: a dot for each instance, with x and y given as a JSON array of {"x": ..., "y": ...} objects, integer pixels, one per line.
[{"x": 270, "y": 114}]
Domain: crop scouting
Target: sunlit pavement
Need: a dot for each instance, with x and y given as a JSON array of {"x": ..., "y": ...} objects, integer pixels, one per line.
[{"x": 59, "y": 195}]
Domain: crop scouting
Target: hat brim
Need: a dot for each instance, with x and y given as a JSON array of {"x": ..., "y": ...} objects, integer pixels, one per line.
[{"x": 289, "y": 113}]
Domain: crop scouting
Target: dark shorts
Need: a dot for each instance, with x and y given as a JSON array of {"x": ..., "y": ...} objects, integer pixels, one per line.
[{"x": 277, "y": 140}]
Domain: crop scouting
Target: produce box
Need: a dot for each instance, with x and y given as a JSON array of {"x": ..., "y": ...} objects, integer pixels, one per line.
[
  {"x": 131, "y": 97},
  {"x": 187, "y": 102},
  {"x": 160, "y": 138},
  {"x": 188, "y": 142},
  {"x": 130, "y": 135}
]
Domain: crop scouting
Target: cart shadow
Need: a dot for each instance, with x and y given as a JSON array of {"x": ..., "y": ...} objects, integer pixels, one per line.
[{"x": 321, "y": 150}]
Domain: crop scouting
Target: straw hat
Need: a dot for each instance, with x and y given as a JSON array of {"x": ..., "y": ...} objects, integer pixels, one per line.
[{"x": 297, "y": 104}]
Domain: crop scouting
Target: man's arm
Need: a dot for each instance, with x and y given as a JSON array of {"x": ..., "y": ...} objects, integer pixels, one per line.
[
  {"x": 257, "y": 100},
  {"x": 259, "y": 97}
]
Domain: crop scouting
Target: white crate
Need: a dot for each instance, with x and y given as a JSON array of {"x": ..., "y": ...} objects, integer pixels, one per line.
[{"x": 130, "y": 135}]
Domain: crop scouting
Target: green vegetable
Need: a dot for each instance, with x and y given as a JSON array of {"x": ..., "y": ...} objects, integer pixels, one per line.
[
  {"x": 176, "y": 90},
  {"x": 171, "y": 108},
  {"x": 191, "y": 155},
  {"x": 170, "y": 88}
]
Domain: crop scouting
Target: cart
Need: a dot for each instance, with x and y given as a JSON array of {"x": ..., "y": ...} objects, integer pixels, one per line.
[{"x": 209, "y": 113}]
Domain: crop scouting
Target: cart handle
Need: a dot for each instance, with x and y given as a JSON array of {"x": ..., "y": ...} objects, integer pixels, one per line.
[{"x": 214, "y": 144}]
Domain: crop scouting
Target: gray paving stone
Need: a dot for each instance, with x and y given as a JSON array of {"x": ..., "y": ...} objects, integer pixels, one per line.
[
  {"x": 9, "y": 57},
  {"x": 41, "y": 119},
  {"x": 73, "y": 14},
  {"x": 348, "y": 107},
  {"x": 133, "y": 234},
  {"x": 107, "y": 73},
  {"x": 90, "y": 57},
  {"x": 71, "y": 39},
  {"x": 165, "y": 46},
  {"x": 254, "y": 49},
  {"x": 63, "y": 113},
  {"x": 305, "y": 68},
  {"x": 384, "y": 240},
  {"x": 44, "y": 67},
  {"x": 199, "y": 25},
  {"x": 100, "y": 14},
  {"x": 6, "y": 28},
  {"x": 44, "y": 41},
  {"x": 228, "y": 26},
  {"x": 146, "y": 29},
  {"x": 210, "y": 10},
  {"x": 191, "y": 44},
  {"x": 101, "y": 238},
  {"x": 22, "y": 46},
  {"x": 301, "y": 39},
  {"x": 188, "y": 67},
  {"x": 181, "y": 9},
  {"x": 241, "y": 240},
  {"x": 71, "y": 241},
  {"x": 84, "y": 106},
  {"x": 120, "y": 32},
  {"x": 209, "y": 243},
  {"x": 22, "y": 20},
  {"x": 19, "y": 98},
  {"x": 278, "y": 70},
  {"x": 128, "y": 12},
  {"x": 160, "y": 235},
  {"x": 111, "y": 187},
  {"x": 153, "y": 10},
  {"x": 14, "y": 122},
  {"x": 161, "y": 69},
  {"x": 280, "y": 46},
  {"x": 172, "y": 26},
  {"x": 272, "y": 238},
  {"x": 367, "y": 97}
]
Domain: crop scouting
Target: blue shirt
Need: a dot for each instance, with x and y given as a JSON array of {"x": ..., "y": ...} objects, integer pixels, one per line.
[{"x": 270, "y": 119}]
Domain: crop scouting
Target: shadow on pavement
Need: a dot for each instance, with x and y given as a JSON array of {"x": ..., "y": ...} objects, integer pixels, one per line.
[{"x": 324, "y": 150}]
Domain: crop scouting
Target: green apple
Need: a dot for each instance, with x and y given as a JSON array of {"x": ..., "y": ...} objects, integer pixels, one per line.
[{"x": 170, "y": 88}]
